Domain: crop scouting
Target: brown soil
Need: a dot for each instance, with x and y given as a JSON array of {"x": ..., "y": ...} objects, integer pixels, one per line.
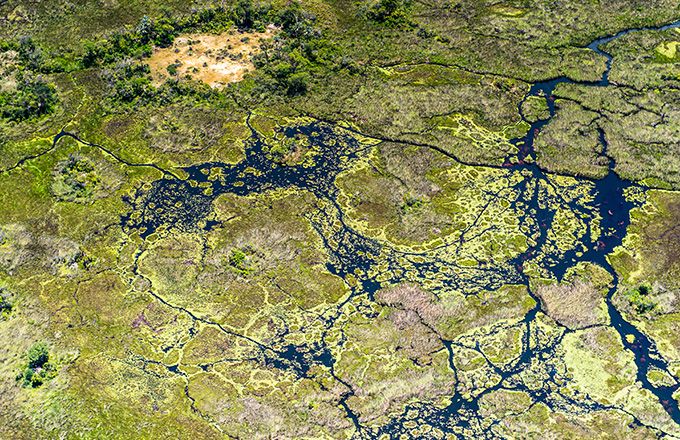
[{"x": 214, "y": 59}]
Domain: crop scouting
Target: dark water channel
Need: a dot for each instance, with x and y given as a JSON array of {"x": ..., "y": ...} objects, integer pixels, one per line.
[
  {"x": 615, "y": 218},
  {"x": 186, "y": 204}
]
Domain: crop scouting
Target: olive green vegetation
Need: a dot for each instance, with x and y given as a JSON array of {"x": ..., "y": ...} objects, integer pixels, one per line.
[
  {"x": 32, "y": 97},
  {"x": 535, "y": 108},
  {"x": 639, "y": 298},
  {"x": 571, "y": 143},
  {"x": 227, "y": 331}
]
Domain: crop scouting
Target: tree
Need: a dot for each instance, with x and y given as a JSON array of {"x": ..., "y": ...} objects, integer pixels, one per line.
[
  {"x": 38, "y": 355},
  {"x": 5, "y": 305},
  {"x": 243, "y": 14},
  {"x": 38, "y": 369},
  {"x": 29, "y": 54},
  {"x": 297, "y": 84},
  {"x": 391, "y": 12},
  {"x": 145, "y": 29},
  {"x": 640, "y": 300},
  {"x": 33, "y": 97}
]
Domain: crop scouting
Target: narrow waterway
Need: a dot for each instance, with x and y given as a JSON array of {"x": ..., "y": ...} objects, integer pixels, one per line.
[
  {"x": 614, "y": 212},
  {"x": 186, "y": 204}
]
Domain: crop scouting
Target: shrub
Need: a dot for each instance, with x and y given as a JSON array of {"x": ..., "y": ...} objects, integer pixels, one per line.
[
  {"x": 288, "y": 63},
  {"x": 129, "y": 82},
  {"x": 145, "y": 29},
  {"x": 411, "y": 204},
  {"x": 296, "y": 22},
  {"x": 297, "y": 84},
  {"x": 244, "y": 14},
  {"x": 639, "y": 298},
  {"x": 5, "y": 305},
  {"x": 238, "y": 260},
  {"x": 172, "y": 69},
  {"x": 38, "y": 355},
  {"x": 38, "y": 369},
  {"x": 33, "y": 97},
  {"x": 390, "y": 12},
  {"x": 75, "y": 180},
  {"x": 30, "y": 55}
]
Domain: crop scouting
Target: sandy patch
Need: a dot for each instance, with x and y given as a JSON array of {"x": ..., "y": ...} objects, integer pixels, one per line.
[
  {"x": 8, "y": 66},
  {"x": 214, "y": 59}
]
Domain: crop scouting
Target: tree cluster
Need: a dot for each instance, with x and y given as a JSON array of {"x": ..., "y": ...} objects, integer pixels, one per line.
[
  {"x": 33, "y": 97},
  {"x": 38, "y": 369}
]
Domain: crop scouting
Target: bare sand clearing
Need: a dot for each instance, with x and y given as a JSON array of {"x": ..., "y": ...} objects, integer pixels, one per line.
[{"x": 214, "y": 59}]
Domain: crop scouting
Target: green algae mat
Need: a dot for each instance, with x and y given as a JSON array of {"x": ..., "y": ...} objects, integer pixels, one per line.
[{"x": 379, "y": 219}]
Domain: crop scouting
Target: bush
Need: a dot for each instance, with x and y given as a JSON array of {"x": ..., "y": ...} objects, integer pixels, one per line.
[
  {"x": 145, "y": 29},
  {"x": 296, "y": 23},
  {"x": 38, "y": 370},
  {"x": 172, "y": 69},
  {"x": 30, "y": 55},
  {"x": 139, "y": 41},
  {"x": 5, "y": 305},
  {"x": 244, "y": 14},
  {"x": 390, "y": 12},
  {"x": 286, "y": 65},
  {"x": 129, "y": 82},
  {"x": 75, "y": 180},
  {"x": 239, "y": 261},
  {"x": 38, "y": 355},
  {"x": 640, "y": 300},
  {"x": 411, "y": 204},
  {"x": 33, "y": 97},
  {"x": 297, "y": 84}
]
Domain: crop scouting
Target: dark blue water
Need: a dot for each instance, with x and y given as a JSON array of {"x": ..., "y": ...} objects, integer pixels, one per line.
[
  {"x": 614, "y": 210},
  {"x": 186, "y": 204}
]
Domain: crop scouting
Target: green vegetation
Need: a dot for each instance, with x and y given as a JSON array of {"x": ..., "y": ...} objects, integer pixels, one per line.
[
  {"x": 240, "y": 261},
  {"x": 32, "y": 97},
  {"x": 75, "y": 180},
  {"x": 640, "y": 300},
  {"x": 138, "y": 42},
  {"x": 347, "y": 240},
  {"x": 5, "y": 304},
  {"x": 411, "y": 204},
  {"x": 38, "y": 369},
  {"x": 172, "y": 69},
  {"x": 390, "y": 12},
  {"x": 286, "y": 65},
  {"x": 535, "y": 108}
]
